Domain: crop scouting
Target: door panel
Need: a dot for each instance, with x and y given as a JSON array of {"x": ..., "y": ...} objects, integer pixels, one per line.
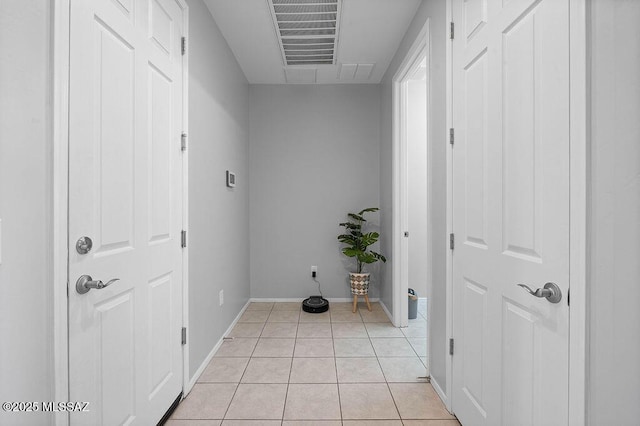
[
  {"x": 521, "y": 362},
  {"x": 511, "y": 209},
  {"x": 521, "y": 168},
  {"x": 116, "y": 377},
  {"x": 125, "y": 192},
  {"x": 160, "y": 353},
  {"x": 476, "y": 161},
  {"x": 160, "y": 156},
  {"x": 112, "y": 158},
  {"x": 475, "y": 16},
  {"x": 475, "y": 338}
]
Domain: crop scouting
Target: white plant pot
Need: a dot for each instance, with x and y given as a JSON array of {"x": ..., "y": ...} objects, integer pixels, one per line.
[{"x": 359, "y": 283}]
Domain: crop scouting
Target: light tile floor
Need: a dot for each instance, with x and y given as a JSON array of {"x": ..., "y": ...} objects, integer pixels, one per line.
[{"x": 287, "y": 367}]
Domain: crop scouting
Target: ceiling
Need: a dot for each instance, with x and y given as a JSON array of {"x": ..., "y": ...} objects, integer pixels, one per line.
[{"x": 370, "y": 32}]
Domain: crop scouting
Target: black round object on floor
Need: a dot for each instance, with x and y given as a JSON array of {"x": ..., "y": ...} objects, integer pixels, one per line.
[{"x": 315, "y": 305}]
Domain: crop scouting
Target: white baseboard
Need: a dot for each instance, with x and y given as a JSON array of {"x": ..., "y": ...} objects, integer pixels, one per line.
[
  {"x": 330, "y": 299},
  {"x": 386, "y": 311},
  {"x": 441, "y": 394},
  {"x": 207, "y": 360}
]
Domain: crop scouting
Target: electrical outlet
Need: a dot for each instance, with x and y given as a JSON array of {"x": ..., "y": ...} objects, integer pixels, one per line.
[
  {"x": 221, "y": 297},
  {"x": 314, "y": 271}
]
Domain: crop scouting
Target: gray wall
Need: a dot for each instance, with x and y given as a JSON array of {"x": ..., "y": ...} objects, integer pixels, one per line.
[
  {"x": 313, "y": 158},
  {"x": 614, "y": 259},
  {"x": 435, "y": 10},
  {"x": 26, "y": 331},
  {"x": 218, "y": 216}
]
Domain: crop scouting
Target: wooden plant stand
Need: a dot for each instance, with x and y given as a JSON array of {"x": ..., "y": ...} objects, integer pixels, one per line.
[{"x": 355, "y": 302}]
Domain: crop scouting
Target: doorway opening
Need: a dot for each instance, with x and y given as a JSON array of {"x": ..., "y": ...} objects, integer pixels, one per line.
[{"x": 411, "y": 248}]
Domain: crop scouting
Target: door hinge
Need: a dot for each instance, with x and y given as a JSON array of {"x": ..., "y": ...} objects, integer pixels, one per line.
[
  {"x": 451, "y": 136},
  {"x": 451, "y": 26},
  {"x": 183, "y": 142},
  {"x": 183, "y": 338},
  {"x": 183, "y": 239},
  {"x": 183, "y": 45},
  {"x": 452, "y": 241},
  {"x": 450, "y": 346}
]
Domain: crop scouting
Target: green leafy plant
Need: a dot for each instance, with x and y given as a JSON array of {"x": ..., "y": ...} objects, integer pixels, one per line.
[{"x": 357, "y": 241}]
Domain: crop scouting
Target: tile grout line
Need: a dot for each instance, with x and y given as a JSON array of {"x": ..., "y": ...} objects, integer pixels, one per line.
[
  {"x": 335, "y": 363},
  {"x": 293, "y": 353},
  {"x": 244, "y": 371},
  {"x": 385, "y": 379}
]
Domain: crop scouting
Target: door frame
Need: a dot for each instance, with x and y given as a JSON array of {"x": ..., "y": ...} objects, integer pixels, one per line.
[
  {"x": 186, "y": 382},
  {"x": 422, "y": 43},
  {"x": 421, "y": 48},
  {"x": 400, "y": 268},
  {"x": 60, "y": 11},
  {"x": 578, "y": 198}
]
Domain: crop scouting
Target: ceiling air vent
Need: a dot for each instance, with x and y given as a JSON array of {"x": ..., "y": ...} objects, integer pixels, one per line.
[{"x": 307, "y": 30}]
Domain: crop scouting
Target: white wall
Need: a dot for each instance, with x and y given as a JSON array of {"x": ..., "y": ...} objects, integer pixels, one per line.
[
  {"x": 417, "y": 181},
  {"x": 26, "y": 332},
  {"x": 218, "y": 216},
  {"x": 435, "y": 11},
  {"x": 614, "y": 260},
  {"x": 313, "y": 158}
]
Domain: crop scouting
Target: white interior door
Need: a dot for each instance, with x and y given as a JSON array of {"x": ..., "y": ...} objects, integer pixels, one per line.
[
  {"x": 125, "y": 193},
  {"x": 511, "y": 211}
]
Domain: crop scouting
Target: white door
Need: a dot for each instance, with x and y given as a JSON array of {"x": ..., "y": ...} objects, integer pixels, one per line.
[
  {"x": 511, "y": 211},
  {"x": 125, "y": 193}
]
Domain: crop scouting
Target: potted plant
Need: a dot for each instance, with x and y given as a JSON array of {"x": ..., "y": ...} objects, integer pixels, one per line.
[{"x": 357, "y": 243}]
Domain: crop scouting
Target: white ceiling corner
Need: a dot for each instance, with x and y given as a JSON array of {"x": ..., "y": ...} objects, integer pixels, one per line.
[{"x": 370, "y": 32}]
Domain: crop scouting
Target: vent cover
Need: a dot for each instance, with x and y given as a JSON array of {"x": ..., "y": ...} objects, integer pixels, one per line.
[
  {"x": 307, "y": 30},
  {"x": 300, "y": 75}
]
